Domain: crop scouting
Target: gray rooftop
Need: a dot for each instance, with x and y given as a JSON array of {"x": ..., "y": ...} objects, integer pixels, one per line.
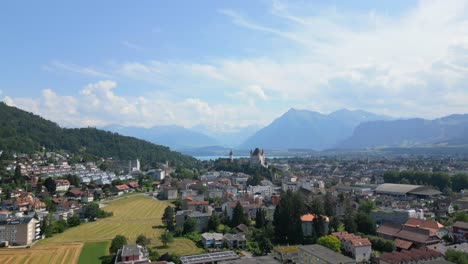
[
  {"x": 326, "y": 254},
  {"x": 394, "y": 188},
  {"x": 210, "y": 257},
  {"x": 130, "y": 250}
]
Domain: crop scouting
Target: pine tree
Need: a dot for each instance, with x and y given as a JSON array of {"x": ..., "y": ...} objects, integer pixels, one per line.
[
  {"x": 238, "y": 216},
  {"x": 260, "y": 218},
  {"x": 168, "y": 218}
]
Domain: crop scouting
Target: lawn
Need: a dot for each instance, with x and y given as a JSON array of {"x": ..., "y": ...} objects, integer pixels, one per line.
[
  {"x": 92, "y": 251},
  {"x": 42, "y": 254},
  {"x": 133, "y": 216}
]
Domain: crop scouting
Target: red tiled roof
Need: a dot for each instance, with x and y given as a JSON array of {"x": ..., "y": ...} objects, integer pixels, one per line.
[
  {"x": 413, "y": 255},
  {"x": 121, "y": 187},
  {"x": 388, "y": 229},
  {"x": 461, "y": 224},
  {"x": 399, "y": 243},
  {"x": 426, "y": 224},
  {"x": 198, "y": 203},
  {"x": 311, "y": 217}
]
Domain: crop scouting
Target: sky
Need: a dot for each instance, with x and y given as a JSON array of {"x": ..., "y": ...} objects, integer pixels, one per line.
[{"x": 224, "y": 65}]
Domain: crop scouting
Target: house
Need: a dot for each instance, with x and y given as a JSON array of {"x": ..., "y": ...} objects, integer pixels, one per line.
[
  {"x": 358, "y": 247},
  {"x": 308, "y": 224},
  {"x": 121, "y": 189},
  {"x": 188, "y": 204},
  {"x": 62, "y": 185},
  {"x": 168, "y": 193},
  {"x": 212, "y": 240},
  {"x": 74, "y": 194},
  {"x": 132, "y": 254},
  {"x": 460, "y": 232},
  {"x": 415, "y": 236},
  {"x": 201, "y": 219},
  {"x": 132, "y": 184},
  {"x": 433, "y": 226},
  {"x": 395, "y": 215},
  {"x": 443, "y": 207},
  {"x": 87, "y": 197},
  {"x": 320, "y": 254},
  {"x": 411, "y": 256},
  {"x": 235, "y": 241}
]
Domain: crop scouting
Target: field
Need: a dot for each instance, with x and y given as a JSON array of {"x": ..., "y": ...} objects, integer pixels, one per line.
[
  {"x": 42, "y": 254},
  {"x": 92, "y": 251},
  {"x": 133, "y": 216}
]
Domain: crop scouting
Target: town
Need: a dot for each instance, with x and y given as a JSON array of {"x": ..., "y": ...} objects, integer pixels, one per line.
[{"x": 323, "y": 209}]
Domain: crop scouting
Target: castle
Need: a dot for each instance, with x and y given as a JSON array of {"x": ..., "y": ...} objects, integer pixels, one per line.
[{"x": 257, "y": 157}]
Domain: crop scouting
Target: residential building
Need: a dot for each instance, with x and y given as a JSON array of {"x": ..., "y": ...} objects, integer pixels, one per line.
[
  {"x": 318, "y": 254},
  {"x": 20, "y": 231},
  {"x": 212, "y": 240},
  {"x": 62, "y": 185},
  {"x": 201, "y": 219},
  {"x": 393, "y": 215},
  {"x": 460, "y": 232},
  {"x": 132, "y": 254},
  {"x": 410, "y": 236},
  {"x": 235, "y": 240},
  {"x": 168, "y": 193},
  {"x": 358, "y": 247},
  {"x": 308, "y": 224},
  {"x": 157, "y": 174}
]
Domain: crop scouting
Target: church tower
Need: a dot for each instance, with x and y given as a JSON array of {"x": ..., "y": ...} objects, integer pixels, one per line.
[{"x": 231, "y": 156}]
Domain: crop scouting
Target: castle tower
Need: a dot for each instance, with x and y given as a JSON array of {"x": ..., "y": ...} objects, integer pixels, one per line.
[{"x": 231, "y": 156}]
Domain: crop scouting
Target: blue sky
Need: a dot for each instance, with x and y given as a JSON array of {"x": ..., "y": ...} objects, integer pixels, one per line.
[{"x": 230, "y": 64}]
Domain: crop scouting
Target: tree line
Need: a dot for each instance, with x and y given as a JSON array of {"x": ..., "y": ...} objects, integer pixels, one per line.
[{"x": 440, "y": 180}]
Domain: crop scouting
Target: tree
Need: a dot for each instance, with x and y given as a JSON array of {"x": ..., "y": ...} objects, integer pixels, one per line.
[
  {"x": 238, "y": 216},
  {"x": 365, "y": 224},
  {"x": 143, "y": 240},
  {"x": 50, "y": 185},
  {"x": 330, "y": 242},
  {"x": 213, "y": 223},
  {"x": 117, "y": 243},
  {"x": 18, "y": 177},
  {"x": 287, "y": 218},
  {"x": 166, "y": 238},
  {"x": 264, "y": 244},
  {"x": 190, "y": 226},
  {"x": 260, "y": 220},
  {"x": 74, "y": 221},
  {"x": 348, "y": 219},
  {"x": 329, "y": 204},
  {"x": 168, "y": 218},
  {"x": 457, "y": 257},
  {"x": 334, "y": 224},
  {"x": 366, "y": 206}
]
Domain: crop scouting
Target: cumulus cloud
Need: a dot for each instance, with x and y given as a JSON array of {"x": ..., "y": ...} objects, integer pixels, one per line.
[{"x": 97, "y": 104}]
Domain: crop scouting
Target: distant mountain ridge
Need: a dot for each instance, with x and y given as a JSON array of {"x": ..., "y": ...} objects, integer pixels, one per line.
[
  {"x": 304, "y": 129},
  {"x": 451, "y": 130},
  {"x": 24, "y": 132},
  {"x": 176, "y": 137}
]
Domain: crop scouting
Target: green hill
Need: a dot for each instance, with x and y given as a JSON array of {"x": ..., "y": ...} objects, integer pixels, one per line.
[{"x": 25, "y": 132}]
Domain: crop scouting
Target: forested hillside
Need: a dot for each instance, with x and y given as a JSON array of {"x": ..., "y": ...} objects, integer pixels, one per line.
[{"x": 25, "y": 132}]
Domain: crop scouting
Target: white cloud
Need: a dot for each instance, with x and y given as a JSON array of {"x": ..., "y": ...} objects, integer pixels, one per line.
[{"x": 97, "y": 104}]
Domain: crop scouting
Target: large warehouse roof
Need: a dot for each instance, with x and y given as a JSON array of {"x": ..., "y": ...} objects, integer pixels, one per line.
[
  {"x": 403, "y": 189},
  {"x": 392, "y": 188}
]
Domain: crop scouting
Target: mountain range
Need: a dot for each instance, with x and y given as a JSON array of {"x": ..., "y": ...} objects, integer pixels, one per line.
[
  {"x": 308, "y": 130},
  {"x": 304, "y": 129},
  {"x": 446, "y": 131}
]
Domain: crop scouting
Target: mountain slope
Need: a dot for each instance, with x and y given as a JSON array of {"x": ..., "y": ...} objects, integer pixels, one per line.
[
  {"x": 25, "y": 132},
  {"x": 303, "y": 129},
  {"x": 175, "y": 137},
  {"x": 447, "y": 131}
]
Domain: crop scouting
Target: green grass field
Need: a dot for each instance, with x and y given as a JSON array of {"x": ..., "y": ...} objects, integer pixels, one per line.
[
  {"x": 92, "y": 251},
  {"x": 133, "y": 216}
]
